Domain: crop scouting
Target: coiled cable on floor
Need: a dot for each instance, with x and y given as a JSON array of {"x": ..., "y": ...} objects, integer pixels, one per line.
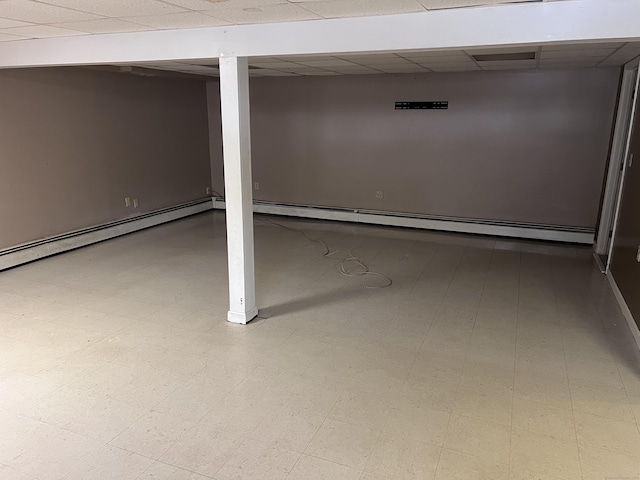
[{"x": 361, "y": 268}]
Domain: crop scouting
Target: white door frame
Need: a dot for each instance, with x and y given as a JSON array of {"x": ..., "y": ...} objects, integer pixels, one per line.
[
  {"x": 622, "y": 171},
  {"x": 621, "y": 135}
]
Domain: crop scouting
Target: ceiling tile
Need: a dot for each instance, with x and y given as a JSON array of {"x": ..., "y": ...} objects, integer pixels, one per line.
[
  {"x": 41, "y": 31},
  {"x": 454, "y": 68},
  {"x": 328, "y": 63},
  {"x": 383, "y": 61},
  {"x": 263, "y": 14},
  {"x": 617, "y": 60},
  {"x": 213, "y": 62},
  {"x": 443, "y": 60},
  {"x": 459, "y": 63},
  {"x": 400, "y": 68},
  {"x": 569, "y": 61},
  {"x": 104, "y": 25},
  {"x": 580, "y": 46},
  {"x": 179, "y": 20},
  {"x": 235, "y": 4},
  {"x": 432, "y": 53},
  {"x": 297, "y": 58},
  {"x": 441, "y": 4},
  {"x": 274, "y": 65},
  {"x": 508, "y": 67},
  {"x": 9, "y": 38},
  {"x": 601, "y": 54},
  {"x": 6, "y": 23},
  {"x": 355, "y": 70},
  {"x": 358, "y": 8},
  {"x": 273, "y": 73},
  {"x": 514, "y": 64},
  {"x": 193, "y": 4},
  {"x": 118, "y": 8},
  {"x": 29, "y": 11},
  {"x": 367, "y": 56},
  {"x": 323, "y": 73},
  {"x": 267, "y": 59}
]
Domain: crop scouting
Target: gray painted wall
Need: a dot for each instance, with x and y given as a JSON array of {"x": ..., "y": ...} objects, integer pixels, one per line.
[
  {"x": 526, "y": 146},
  {"x": 74, "y": 143}
]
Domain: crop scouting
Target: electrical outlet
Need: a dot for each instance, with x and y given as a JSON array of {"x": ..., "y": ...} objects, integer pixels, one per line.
[
  {"x": 135, "y": 203},
  {"x": 380, "y": 194},
  {"x": 638, "y": 255},
  {"x": 208, "y": 190},
  {"x": 256, "y": 186},
  {"x": 127, "y": 201}
]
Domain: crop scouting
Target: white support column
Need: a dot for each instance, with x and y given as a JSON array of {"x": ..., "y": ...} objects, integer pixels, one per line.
[{"x": 236, "y": 145}]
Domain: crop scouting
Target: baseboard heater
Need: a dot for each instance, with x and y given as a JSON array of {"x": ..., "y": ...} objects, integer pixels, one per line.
[
  {"x": 31, "y": 251},
  {"x": 448, "y": 224}
]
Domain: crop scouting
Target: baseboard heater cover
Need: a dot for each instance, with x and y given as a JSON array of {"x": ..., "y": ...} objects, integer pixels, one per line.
[
  {"x": 447, "y": 224},
  {"x": 31, "y": 251}
]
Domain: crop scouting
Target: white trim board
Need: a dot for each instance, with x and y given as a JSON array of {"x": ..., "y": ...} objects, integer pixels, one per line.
[
  {"x": 633, "y": 326},
  {"x": 537, "y": 232},
  {"x": 29, "y": 252}
]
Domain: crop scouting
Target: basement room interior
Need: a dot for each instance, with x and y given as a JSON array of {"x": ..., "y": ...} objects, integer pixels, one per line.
[{"x": 319, "y": 240}]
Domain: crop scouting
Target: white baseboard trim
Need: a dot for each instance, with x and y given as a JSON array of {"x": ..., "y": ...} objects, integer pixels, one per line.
[
  {"x": 633, "y": 326},
  {"x": 29, "y": 252},
  {"x": 537, "y": 232}
]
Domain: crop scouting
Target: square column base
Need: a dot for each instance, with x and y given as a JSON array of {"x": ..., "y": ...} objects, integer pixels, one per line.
[{"x": 242, "y": 317}]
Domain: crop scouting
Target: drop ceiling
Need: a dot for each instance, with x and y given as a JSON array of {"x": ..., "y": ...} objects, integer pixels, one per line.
[
  {"x": 548, "y": 56},
  {"x": 25, "y": 19}
]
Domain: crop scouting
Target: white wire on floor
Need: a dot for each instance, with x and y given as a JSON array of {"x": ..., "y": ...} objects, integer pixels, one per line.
[{"x": 361, "y": 268}]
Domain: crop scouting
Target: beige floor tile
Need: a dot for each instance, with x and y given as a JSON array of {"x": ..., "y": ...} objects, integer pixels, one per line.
[
  {"x": 599, "y": 463},
  {"x": 582, "y": 372},
  {"x": 312, "y": 468},
  {"x": 343, "y": 443},
  {"x": 111, "y": 463},
  {"x": 194, "y": 399},
  {"x": 55, "y": 454},
  {"x": 439, "y": 365},
  {"x": 161, "y": 471},
  {"x": 542, "y": 389},
  {"x": 428, "y": 393},
  {"x": 104, "y": 417},
  {"x": 614, "y": 435},
  {"x": 238, "y": 414},
  {"x": 361, "y": 408},
  {"x": 539, "y": 456},
  {"x": 493, "y": 405},
  {"x": 287, "y": 429},
  {"x": 461, "y": 466},
  {"x": 478, "y": 437},
  {"x": 19, "y": 433},
  {"x": 403, "y": 458},
  {"x": 152, "y": 434},
  {"x": 417, "y": 421},
  {"x": 203, "y": 449},
  {"x": 256, "y": 460},
  {"x": 543, "y": 419},
  {"x": 482, "y": 375},
  {"x": 601, "y": 401},
  {"x": 634, "y": 404},
  {"x": 7, "y": 473}
]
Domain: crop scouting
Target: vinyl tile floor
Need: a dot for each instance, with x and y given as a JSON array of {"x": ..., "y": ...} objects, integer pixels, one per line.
[{"x": 486, "y": 359}]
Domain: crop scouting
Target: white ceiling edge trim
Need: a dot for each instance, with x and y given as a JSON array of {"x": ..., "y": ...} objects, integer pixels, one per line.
[{"x": 462, "y": 28}]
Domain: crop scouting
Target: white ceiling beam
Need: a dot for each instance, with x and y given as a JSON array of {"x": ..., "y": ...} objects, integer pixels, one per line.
[{"x": 463, "y": 28}]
